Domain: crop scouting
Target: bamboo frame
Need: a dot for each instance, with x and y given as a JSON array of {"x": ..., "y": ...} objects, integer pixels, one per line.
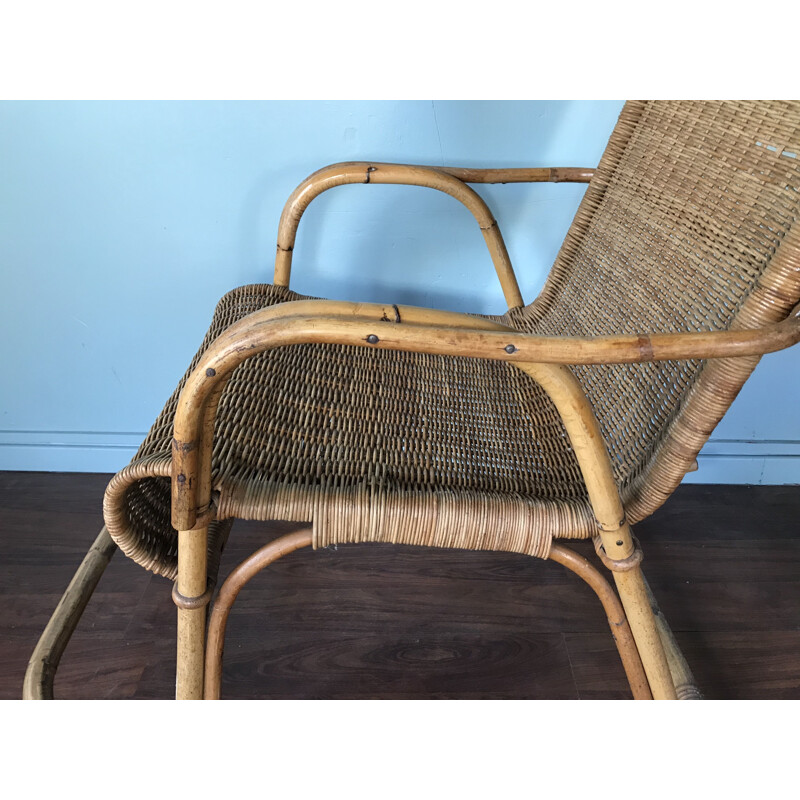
[
  {"x": 430, "y": 331},
  {"x": 617, "y": 621},
  {"x": 228, "y": 593},
  {"x": 419, "y": 330},
  {"x": 191, "y": 582},
  {"x": 450, "y": 180},
  {"x": 685, "y": 684},
  {"x": 193, "y": 428},
  {"x": 587, "y": 442},
  {"x": 41, "y": 672},
  {"x": 521, "y": 174},
  {"x": 357, "y": 172},
  {"x": 284, "y": 545},
  {"x": 411, "y": 329}
]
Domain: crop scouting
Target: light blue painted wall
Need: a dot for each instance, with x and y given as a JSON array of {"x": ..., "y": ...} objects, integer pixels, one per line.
[{"x": 109, "y": 210}]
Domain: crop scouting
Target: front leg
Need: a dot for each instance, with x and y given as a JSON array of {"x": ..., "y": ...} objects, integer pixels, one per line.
[{"x": 191, "y": 596}]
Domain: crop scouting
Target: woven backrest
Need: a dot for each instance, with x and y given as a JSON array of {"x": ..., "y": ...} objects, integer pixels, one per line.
[{"x": 689, "y": 224}]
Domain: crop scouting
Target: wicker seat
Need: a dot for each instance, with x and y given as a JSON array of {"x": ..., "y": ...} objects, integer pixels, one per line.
[
  {"x": 348, "y": 438},
  {"x": 381, "y": 423}
]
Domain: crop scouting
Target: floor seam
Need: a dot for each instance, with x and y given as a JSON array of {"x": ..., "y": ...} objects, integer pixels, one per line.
[{"x": 571, "y": 668}]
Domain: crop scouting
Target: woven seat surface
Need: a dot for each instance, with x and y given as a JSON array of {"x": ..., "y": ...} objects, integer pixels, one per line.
[
  {"x": 374, "y": 445},
  {"x": 687, "y": 225}
]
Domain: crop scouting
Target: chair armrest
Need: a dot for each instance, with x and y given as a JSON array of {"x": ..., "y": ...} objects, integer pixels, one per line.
[
  {"x": 521, "y": 174},
  {"x": 450, "y": 180},
  {"x": 436, "y": 332},
  {"x": 356, "y": 172},
  {"x": 416, "y": 330}
]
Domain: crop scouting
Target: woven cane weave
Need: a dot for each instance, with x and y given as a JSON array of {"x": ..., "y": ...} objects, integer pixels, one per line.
[
  {"x": 687, "y": 225},
  {"x": 369, "y": 445}
]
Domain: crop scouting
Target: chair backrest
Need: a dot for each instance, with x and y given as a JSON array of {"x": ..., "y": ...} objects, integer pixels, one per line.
[{"x": 689, "y": 224}]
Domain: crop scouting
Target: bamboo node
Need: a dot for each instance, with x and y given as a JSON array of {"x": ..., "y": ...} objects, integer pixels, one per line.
[
  {"x": 183, "y": 447},
  {"x": 205, "y": 515},
  {"x": 191, "y": 603},
  {"x": 620, "y": 564},
  {"x": 606, "y": 529}
]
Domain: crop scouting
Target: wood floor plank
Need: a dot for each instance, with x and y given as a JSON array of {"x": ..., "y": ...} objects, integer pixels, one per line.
[
  {"x": 730, "y": 605},
  {"x": 400, "y": 622},
  {"x": 720, "y": 512},
  {"x": 58, "y": 491},
  {"x": 750, "y": 560},
  {"x": 328, "y": 664},
  {"x": 727, "y": 665}
]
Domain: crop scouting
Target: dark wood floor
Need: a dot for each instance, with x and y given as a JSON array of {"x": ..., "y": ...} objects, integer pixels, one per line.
[{"x": 376, "y": 621}]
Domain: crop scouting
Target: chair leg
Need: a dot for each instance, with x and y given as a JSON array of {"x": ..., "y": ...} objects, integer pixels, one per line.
[
  {"x": 227, "y": 595},
  {"x": 620, "y": 630},
  {"x": 587, "y": 442},
  {"x": 191, "y": 596},
  {"x": 41, "y": 672},
  {"x": 633, "y": 594},
  {"x": 685, "y": 685},
  {"x": 636, "y": 601}
]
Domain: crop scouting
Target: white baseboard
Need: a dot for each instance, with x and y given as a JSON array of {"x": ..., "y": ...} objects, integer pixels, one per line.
[
  {"x": 768, "y": 462},
  {"x": 67, "y": 451}
]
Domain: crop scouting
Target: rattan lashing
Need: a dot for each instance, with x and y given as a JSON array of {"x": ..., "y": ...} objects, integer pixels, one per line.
[{"x": 687, "y": 225}]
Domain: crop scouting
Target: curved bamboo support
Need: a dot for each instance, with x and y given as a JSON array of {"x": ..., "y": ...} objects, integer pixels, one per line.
[
  {"x": 197, "y": 406},
  {"x": 228, "y": 594},
  {"x": 415, "y": 330},
  {"x": 284, "y": 545},
  {"x": 348, "y": 173},
  {"x": 447, "y": 333},
  {"x": 41, "y": 672},
  {"x": 496, "y": 174},
  {"x": 620, "y": 630}
]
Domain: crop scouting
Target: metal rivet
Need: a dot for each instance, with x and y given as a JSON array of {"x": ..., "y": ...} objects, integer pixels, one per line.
[
  {"x": 211, "y": 372},
  {"x": 510, "y": 349},
  {"x": 181, "y": 478},
  {"x": 373, "y": 339}
]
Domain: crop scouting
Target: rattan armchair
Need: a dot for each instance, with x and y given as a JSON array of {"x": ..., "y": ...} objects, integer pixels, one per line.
[{"x": 572, "y": 417}]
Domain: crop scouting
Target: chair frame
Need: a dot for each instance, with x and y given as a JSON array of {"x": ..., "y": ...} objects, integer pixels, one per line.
[{"x": 651, "y": 658}]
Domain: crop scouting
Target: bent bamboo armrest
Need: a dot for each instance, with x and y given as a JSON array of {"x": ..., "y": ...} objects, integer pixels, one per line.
[
  {"x": 450, "y": 180},
  {"x": 416, "y": 330},
  {"x": 521, "y": 174}
]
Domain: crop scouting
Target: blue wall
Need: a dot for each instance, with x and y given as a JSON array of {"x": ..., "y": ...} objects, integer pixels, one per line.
[{"x": 108, "y": 211}]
